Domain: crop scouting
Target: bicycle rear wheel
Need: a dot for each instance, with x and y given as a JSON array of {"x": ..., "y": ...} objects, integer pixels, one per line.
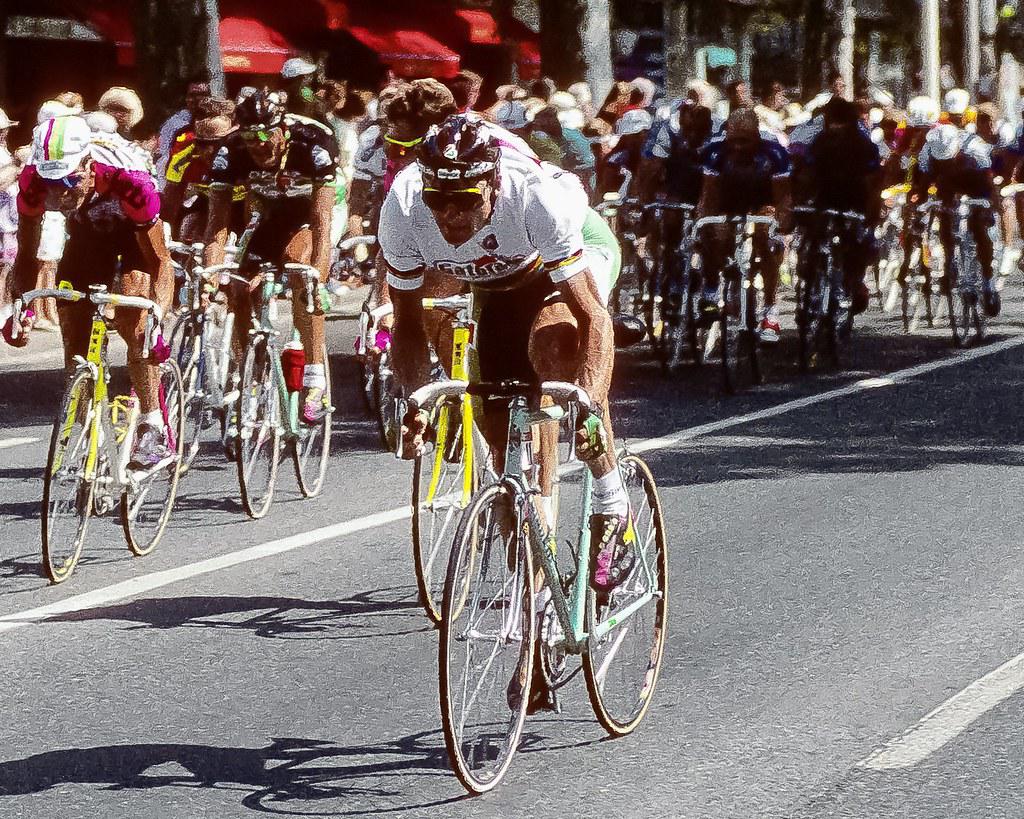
[
  {"x": 67, "y": 495},
  {"x": 960, "y": 319},
  {"x": 740, "y": 367},
  {"x": 311, "y": 450},
  {"x": 147, "y": 501},
  {"x": 258, "y": 443},
  {"x": 186, "y": 351},
  {"x": 623, "y": 658},
  {"x": 439, "y": 496},
  {"x": 485, "y": 654}
]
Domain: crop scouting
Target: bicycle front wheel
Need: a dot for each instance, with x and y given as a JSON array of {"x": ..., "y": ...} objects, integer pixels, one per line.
[
  {"x": 441, "y": 490},
  {"x": 384, "y": 401},
  {"x": 312, "y": 450},
  {"x": 148, "y": 499},
  {"x": 624, "y": 653},
  {"x": 485, "y": 654},
  {"x": 67, "y": 493},
  {"x": 258, "y": 443},
  {"x": 186, "y": 351}
]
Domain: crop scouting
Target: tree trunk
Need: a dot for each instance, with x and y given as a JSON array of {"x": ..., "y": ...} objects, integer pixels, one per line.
[
  {"x": 841, "y": 17},
  {"x": 679, "y": 66},
  {"x": 575, "y": 43},
  {"x": 170, "y": 50},
  {"x": 811, "y": 79}
]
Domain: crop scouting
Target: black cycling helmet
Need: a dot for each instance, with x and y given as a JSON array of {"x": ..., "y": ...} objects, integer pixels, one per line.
[
  {"x": 458, "y": 153},
  {"x": 260, "y": 109}
]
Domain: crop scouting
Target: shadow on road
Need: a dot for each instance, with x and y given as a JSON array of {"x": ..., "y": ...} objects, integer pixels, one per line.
[
  {"x": 933, "y": 423},
  {"x": 289, "y": 776},
  {"x": 371, "y": 614}
]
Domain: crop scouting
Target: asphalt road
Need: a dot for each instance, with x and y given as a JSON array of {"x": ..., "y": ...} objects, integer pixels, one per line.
[{"x": 845, "y": 558}]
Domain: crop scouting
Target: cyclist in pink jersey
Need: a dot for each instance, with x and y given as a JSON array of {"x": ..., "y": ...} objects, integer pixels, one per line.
[{"x": 113, "y": 224}]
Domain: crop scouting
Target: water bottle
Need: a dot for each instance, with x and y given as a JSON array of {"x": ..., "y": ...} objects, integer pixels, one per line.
[{"x": 293, "y": 362}]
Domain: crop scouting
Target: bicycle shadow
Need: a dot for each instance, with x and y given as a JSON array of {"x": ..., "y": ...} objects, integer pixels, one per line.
[
  {"x": 283, "y": 777},
  {"x": 368, "y": 615}
]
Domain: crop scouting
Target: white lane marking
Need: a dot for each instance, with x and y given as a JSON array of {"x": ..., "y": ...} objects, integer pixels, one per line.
[
  {"x": 675, "y": 438},
  {"x": 148, "y": 582},
  {"x": 949, "y": 720},
  {"x": 8, "y": 443}
]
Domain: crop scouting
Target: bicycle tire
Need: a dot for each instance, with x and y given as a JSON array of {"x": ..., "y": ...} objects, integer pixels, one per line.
[
  {"x": 959, "y": 309},
  {"x": 141, "y": 535},
  {"x": 740, "y": 366},
  {"x": 474, "y": 552},
  {"x": 258, "y": 388},
  {"x": 430, "y": 542},
  {"x": 384, "y": 402},
  {"x": 186, "y": 351},
  {"x": 621, "y": 719},
  {"x": 58, "y": 568},
  {"x": 314, "y": 441}
]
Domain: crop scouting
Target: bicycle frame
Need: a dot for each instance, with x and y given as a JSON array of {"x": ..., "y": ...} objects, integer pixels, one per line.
[{"x": 462, "y": 339}]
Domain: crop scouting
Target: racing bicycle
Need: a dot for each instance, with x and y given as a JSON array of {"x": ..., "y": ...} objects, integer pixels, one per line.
[
  {"x": 491, "y": 629},
  {"x": 88, "y": 468}
]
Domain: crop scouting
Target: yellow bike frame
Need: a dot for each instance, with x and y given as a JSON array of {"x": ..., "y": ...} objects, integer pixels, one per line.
[{"x": 462, "y": 336}]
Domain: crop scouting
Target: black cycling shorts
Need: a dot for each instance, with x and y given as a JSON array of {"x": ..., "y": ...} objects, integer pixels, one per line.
[
  {"x": 504, "y": 321},
  {"x": 280, "y": 222},
  {"x": 95, "y": 257}
]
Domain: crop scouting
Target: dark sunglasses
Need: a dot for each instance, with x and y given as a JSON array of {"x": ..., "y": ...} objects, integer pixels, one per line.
[
  {"x": 397, "y": 148},
  {"x": 256, "y": 134},
  {"x": 465, "y": 199}
]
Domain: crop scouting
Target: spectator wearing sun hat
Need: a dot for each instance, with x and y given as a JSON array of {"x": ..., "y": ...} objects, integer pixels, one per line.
[
  {"x": 123, "y": 105},
  {"x": 6, "y": 123}
]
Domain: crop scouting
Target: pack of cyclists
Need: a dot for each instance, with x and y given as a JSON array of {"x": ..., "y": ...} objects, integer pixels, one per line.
[{"x": 460, "y": 203}]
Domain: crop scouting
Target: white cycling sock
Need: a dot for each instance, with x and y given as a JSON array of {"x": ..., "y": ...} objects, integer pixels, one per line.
[
  {"x": 153, "y": 418},
  {"x": 547, "y": 505},
  {"x": 313, "y": 376},
  {"x": 610, "y": 496}
]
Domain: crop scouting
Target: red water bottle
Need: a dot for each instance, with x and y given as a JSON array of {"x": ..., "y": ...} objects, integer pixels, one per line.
[{"x": 293, "y": 362}]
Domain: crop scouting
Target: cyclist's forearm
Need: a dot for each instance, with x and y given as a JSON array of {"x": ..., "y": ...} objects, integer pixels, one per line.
[
  {"x": 597, "y": 346},
  {"x": 26, "y": 264},
  {"x": 411, "y": 356},
  {"x": 320, "y": 229},
  {"x": 216, "y": 235}
]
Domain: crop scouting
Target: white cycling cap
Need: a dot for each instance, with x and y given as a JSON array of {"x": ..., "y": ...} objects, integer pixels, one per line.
[
  {"x": 957, "y": 100},
  {"x": 100, "y": 122},
  {"x": 944, "y": 142},
  {"x": 59, "y": 145},
  {"x": 922, "y": 112},
  {"x": 297, "y": 67},
  {"x": 52, "y": 109}
]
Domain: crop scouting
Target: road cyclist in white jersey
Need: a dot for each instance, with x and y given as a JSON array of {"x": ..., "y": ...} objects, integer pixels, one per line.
[{"x": 541, "y": 266}]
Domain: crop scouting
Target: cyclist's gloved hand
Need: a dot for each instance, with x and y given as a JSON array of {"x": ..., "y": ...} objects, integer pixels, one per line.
[
  {"x": 28, "y": 320},
  {"x": 591, "y": 438},
  {"x": 414, "y": 433}
]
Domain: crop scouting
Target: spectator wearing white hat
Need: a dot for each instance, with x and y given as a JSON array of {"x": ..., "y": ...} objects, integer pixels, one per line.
[
  {"x": 6, "y": 123},
  {"x": 957, "y": 101},
  {"x": 124, "y": 106}
]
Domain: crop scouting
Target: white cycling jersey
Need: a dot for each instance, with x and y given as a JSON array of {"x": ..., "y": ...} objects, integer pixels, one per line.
[{"x": 537, "y": 221}]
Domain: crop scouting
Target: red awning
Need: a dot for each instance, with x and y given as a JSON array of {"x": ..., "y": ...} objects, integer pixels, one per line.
[
  {"x": 248, "y": 45},
  {"x": 481, "y": 25},
  {"x": 409, "y": 53}
]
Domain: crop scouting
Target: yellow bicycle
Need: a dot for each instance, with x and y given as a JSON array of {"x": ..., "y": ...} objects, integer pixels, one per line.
[
  {"x": 445, "y": 478},
  {"x": 88, "y": 465}
]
